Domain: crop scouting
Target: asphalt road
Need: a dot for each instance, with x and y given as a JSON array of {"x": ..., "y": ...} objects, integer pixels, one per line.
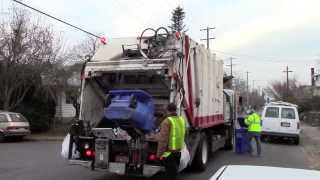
[{"x": 36, "y": 160}]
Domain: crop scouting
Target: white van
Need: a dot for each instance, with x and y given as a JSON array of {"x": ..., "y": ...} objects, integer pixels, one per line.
[{"x": 281, "y": 119}]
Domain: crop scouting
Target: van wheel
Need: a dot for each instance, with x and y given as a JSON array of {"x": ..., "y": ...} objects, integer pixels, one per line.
[
  {"x": 202, "y": 154},
  {"x": 297, "y": 140}
]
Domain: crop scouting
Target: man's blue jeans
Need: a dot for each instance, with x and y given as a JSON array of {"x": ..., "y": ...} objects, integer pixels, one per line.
[{"x": 256, "y": 136}]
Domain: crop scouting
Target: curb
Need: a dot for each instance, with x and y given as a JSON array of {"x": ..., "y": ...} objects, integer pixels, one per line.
[{"x": 50, "y": 138}]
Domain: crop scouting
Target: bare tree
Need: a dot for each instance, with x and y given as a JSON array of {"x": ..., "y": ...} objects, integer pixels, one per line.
[
  {"x": 82, "y": 51},
  {"x": 26, "y": 49},
  {"x": 296, "y": 91}
]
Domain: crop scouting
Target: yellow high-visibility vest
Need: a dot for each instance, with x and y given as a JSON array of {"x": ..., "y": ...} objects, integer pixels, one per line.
[
  {"x": 177, "y": 134},
  {"x": 254, "y": 123}
]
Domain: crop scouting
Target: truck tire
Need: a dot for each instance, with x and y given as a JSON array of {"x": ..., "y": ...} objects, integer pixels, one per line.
[
  {"x": 202, "y": 154},
  {"x": 1, "y": 137},
  {"x": 229, "y": 138},
  {"x": 297, "y": 140}
]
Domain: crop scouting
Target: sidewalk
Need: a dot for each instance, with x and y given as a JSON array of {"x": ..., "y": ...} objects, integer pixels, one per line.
[
  {"x": 45, "y": 137},
  {"x": 311, "y": 144}
]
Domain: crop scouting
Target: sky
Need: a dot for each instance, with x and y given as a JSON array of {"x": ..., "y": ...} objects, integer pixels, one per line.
[{"x": 263, "y": 36}]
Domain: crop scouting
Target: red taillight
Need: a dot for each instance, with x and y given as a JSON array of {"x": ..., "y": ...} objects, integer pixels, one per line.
[
  {"x": 152, "y": 157},
  {"x": 161, "y": 158},
  {"x": 90, "y": 153}
]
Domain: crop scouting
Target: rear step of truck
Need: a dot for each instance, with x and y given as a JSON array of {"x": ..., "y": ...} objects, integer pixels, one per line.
[{"x": 87, "y": 164}]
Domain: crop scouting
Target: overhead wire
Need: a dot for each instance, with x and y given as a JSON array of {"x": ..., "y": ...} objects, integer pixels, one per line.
[
  {"x": 267, "y": 59},
  {"x": 57, "y": 19}
]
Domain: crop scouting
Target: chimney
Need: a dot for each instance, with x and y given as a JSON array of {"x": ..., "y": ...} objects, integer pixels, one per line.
[{"x": 312, "y": 77}]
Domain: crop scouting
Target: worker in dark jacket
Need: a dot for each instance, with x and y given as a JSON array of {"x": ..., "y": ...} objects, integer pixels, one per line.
[
  {"x": 253, "y": 121},
  {"x": 171, "y": 141}
]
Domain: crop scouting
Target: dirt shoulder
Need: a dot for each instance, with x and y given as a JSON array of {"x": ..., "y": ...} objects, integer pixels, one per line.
[{"x": 310, "y": 140}]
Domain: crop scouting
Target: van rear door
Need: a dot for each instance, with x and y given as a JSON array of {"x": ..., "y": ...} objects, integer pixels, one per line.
[
  {"x": 288, "y": 121},
  {"x": 270, "y": 119}
]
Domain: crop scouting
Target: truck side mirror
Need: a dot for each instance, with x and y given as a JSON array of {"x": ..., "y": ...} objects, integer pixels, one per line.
[{"x": 197, "y": 102}]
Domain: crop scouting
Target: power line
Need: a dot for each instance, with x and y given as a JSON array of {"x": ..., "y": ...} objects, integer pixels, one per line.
[
  {"x": 208, "y": 36},
  {"x": 267, "y": 59},
  {"x": 57, "y": 19}
]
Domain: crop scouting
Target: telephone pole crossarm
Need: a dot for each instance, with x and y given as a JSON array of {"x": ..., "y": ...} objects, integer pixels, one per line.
[{"x": 208, "y": 36}]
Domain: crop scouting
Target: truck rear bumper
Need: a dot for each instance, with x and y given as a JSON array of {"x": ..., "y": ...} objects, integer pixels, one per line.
[
  {"x": 120, "y": 168},
  {"x": 81, "y": 163},
  {"x": 147, "y": 171}
]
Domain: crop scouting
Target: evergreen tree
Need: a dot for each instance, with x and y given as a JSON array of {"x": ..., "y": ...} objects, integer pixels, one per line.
[{"x": 177, "y": 18}]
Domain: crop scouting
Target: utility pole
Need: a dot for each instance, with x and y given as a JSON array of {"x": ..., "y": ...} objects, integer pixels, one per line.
[
  {"x": 253, "y": 84},
  {"x": 208, "y": 36},
  {"x": 247, "y": 89},
  {"x": 287, "y": 90},
  {"x": 231, "y": 72},
  {"x": 231, "y": 65}
]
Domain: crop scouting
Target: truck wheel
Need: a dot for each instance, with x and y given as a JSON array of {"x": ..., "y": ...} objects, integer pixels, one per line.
[
  {"x": 229, "y": 139},
  {"x": 1, "y": 137},
  {"x": 297, "y": 140},
  {"x": 202, "y": 154}
]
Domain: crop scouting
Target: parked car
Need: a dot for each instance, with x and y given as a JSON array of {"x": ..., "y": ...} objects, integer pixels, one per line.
[
  {"x": 13, "y": 125},
  {"x": 281, "y": 119},
  {"x": 235, "y": 172}
]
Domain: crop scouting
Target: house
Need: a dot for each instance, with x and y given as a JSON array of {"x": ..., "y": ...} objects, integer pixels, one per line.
[
  {"x": 64, "y": 85},
  {"x": 315, "y": 83},
  {"x": 67, "y": 98}
]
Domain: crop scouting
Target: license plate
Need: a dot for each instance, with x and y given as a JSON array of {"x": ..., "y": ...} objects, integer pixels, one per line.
[{"x": 285, "y": 124}]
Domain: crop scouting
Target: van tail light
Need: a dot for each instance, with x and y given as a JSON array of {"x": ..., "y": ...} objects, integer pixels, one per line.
[{"x": 298, "y": 125}]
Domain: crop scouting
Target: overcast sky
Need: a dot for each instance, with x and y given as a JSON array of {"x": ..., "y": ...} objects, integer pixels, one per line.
[{"x": 264, "y": 36}]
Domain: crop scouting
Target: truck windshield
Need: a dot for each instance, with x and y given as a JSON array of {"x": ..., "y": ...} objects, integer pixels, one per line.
[
  {"x": 288, "y": 113},
  {"x": 272, "y": 112}
]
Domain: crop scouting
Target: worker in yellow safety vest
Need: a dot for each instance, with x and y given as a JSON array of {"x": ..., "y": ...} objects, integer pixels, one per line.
[
  {"x": 171, "y": 141},
  {"x": 254, "y": 123}
]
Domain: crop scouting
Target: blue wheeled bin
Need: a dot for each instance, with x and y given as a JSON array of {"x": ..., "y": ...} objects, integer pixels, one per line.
[
  {"x": 242, "y": 141},
  {"x": 130, "y": 109}
]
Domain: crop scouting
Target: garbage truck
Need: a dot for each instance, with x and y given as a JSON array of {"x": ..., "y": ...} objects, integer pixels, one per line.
[{"x": 125, "y": 89}]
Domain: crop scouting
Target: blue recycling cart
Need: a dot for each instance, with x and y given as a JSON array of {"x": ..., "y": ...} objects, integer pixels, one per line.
[
  {"x": 241, "y": 140},
  {"x": 126, "y": 112}
]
